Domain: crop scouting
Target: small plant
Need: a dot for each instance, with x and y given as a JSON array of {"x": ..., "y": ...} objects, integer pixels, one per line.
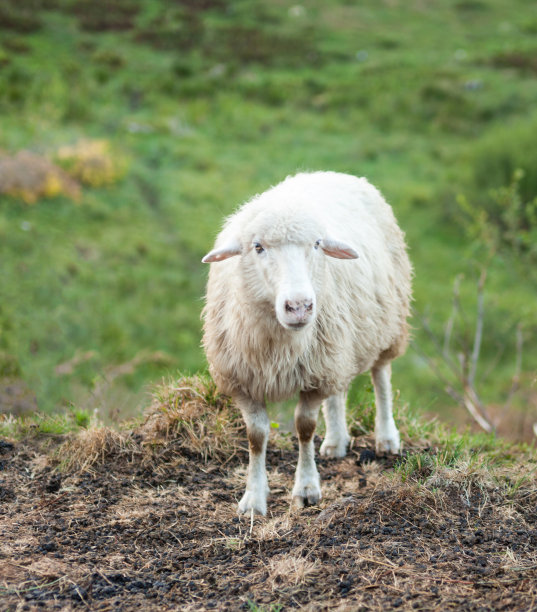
[
  {"x": 508, "y": 219},
  {"x": 361, "y": 407},
  {"x": 233, "y": 543},
  {"x": 253, "y": 607},
  {"x": 81, "y": 418},
  {"x": 415, "y": 467}
]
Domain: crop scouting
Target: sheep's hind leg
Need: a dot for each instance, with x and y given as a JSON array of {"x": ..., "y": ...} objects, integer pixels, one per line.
[
  {"x": 257, "y": 428},
  {"x": 337, "y": 438},
  {"x": 386, "y": 434},
  {"x": 307, "y": 489}
]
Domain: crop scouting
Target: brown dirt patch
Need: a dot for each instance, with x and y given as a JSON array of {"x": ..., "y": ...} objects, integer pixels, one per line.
[{"x": 132, "y": 532}]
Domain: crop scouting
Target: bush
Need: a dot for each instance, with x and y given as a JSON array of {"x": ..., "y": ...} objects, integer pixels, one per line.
[
  {"x": 503, "y": 151},
  {"x": 506, "y": 219},
  {"x": 501, "y": 206},
  {"x": 92, "y": 162},
  {"x": 29, "y": 177}
]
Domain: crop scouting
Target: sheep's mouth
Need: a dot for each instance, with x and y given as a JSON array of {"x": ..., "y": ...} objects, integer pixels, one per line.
[{"x": 297, "y": 326}]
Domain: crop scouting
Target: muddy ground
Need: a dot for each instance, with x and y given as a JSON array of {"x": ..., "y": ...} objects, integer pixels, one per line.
[{"x": 128, "y": 533}]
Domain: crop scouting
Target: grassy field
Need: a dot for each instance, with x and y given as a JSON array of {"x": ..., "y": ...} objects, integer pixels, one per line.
[{"x": 150, "y": 121}]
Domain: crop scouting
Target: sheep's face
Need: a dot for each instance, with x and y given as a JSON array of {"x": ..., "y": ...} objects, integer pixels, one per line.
[{"x": 287, "y": 274}]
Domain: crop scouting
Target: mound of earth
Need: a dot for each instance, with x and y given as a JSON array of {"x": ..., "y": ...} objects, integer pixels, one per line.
[{"x": 130, "y": 534}]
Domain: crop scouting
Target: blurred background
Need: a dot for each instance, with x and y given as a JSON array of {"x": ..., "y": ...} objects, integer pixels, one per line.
[{"x": 129, "y": 129}]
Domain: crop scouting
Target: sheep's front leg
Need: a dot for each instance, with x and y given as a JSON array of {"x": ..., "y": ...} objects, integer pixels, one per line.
[
  {"x": 337, "y": 438},
  {"x": 386, "y": 434},
  {"x": 257, "y": 429},
  {"x": 307, "y": 489}
]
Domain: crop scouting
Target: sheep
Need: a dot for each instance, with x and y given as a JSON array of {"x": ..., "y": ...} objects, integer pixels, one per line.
[{"x": 282, "y": 318}]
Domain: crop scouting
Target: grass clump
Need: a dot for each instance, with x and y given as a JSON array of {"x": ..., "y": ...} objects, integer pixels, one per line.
[
  {"x": 187, "y": 418},
  {"x": 192, "y": 414},
  {"x": 95, "y": 445}
]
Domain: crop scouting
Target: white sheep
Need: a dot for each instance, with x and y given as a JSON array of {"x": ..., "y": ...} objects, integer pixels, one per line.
[{"x": 282, "y": 318}]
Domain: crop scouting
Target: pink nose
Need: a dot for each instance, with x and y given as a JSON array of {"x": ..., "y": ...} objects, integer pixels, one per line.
[{"x": 299, "y": 309}]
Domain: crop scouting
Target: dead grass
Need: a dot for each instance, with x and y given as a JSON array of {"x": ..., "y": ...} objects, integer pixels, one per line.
[
  {"x": 187, "y": 418},
  {"x": 284, "y": 570},
  {"x": 91, "y": 446},
  {"x": 192, "y": 414}
]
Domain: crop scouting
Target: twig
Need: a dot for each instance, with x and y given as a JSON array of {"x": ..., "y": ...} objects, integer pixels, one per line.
[
  {"x": 51, "y": 502},
  {"x": 478, "y": 327},
  {"x": 459, "y": 381},
  {"x": 518, "y": 367},
  {"x": 451, "y": 320}
]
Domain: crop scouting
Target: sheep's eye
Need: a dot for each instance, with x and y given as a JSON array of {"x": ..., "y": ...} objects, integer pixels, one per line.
[
  {"x": 317, "y": 243},
  {"x": 258, "y": 248}
]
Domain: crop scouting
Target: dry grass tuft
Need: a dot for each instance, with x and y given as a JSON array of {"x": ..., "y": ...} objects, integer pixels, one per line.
[
  {"x": 92, "y": 446},
  {"x": 194, "y": 416},
  {"x": 186, "y": 419},
  {"x": 291, "y": 570}
]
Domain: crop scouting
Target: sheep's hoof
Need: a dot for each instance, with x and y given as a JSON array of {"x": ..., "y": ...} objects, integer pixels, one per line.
[
  {"x": 335, "y": 448},
  {"x": 309, "y": 496},
  {"x": 388, "y": 445},
  {"x": 250, "y": 501},
  {"x": 387, "y": 438}
]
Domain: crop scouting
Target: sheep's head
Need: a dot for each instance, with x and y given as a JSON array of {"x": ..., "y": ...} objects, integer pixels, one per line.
[{"x": 283, "y": 266}]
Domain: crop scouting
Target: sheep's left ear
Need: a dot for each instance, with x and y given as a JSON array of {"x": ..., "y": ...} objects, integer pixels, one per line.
[
  {"x": 230, "y": 249},
  {"x": 340, "y": 250}
]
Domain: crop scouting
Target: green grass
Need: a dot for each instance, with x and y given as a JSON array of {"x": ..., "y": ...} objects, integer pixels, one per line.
[
  {"x": 211, "y": 106},
  {"x": 41, "y": 424}
]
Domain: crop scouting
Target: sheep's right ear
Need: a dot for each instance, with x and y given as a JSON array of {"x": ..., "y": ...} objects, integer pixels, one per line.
[{"x": 228, "y": 250}]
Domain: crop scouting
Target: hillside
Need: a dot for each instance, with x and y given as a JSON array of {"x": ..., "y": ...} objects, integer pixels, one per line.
[
  {"x": 146, "y": 518},
  {"x": 127, "y": 135}
]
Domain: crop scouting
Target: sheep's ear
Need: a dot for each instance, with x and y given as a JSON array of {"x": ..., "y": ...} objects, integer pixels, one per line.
[
  {"x": 340, "y": 250},
  {"x": 228, "y": 250}
]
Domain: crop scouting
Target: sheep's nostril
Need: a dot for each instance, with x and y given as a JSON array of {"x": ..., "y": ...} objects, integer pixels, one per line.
[{"x": 299, "y": 309}]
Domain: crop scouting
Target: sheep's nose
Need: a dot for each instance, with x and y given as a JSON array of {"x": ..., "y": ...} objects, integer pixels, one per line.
[{"x": 300, "y": 309}]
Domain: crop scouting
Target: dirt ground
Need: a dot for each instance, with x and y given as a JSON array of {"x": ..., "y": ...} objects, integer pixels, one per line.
[
  {"x": 161, "y": 535},
  {"x": 145, "y": 517}
]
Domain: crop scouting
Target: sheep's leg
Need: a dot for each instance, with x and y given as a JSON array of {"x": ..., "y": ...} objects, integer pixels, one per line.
[
  {"x": 257, "y": 429},
  {"x": 337, "y": 438},
  {"x": 307, "y": 489},
  {"x": 386, "y": 434}
]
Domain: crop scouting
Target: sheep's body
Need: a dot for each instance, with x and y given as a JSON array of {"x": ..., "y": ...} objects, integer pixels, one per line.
[{"x": 356, "y": 310}]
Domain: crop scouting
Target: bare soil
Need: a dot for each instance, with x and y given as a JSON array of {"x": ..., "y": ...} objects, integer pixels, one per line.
[{"x": 126, "y": 533}]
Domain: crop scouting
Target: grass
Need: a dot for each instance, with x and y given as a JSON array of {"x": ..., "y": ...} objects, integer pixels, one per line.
[{"x": 198, "y": 118}]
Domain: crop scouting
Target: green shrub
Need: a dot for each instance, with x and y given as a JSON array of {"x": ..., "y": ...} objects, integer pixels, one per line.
[
  {"x": 504, "y": 219},
  {"x": 501, "y": 153},
  {"x": 499, "y": 206}
]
